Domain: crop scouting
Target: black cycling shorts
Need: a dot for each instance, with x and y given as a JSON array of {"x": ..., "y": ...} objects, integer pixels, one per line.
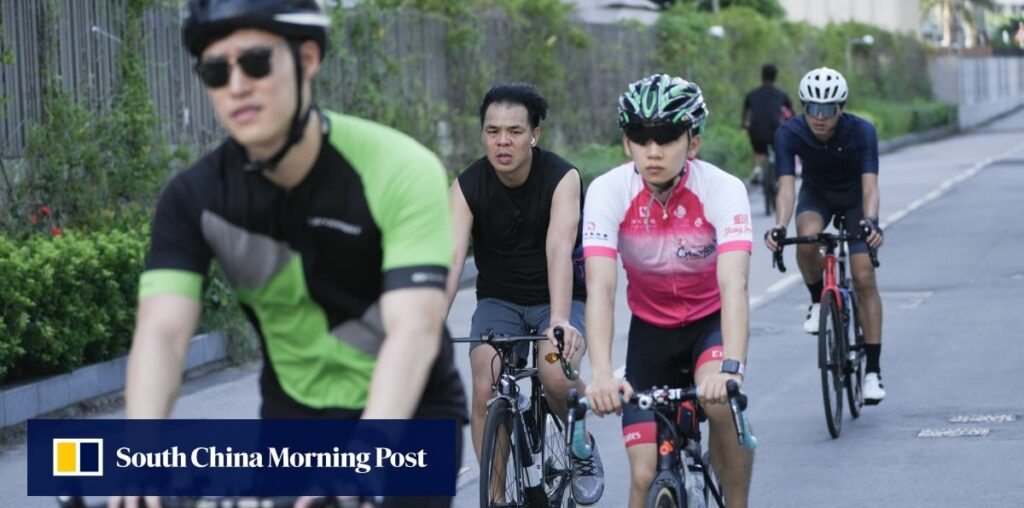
[
  {"x": 826, "y": 204},
  {"x": 658, "y": 356}
]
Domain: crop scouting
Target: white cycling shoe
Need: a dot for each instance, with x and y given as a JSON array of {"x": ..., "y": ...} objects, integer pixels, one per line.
[
  {"x": 813, "y": 315},
  {"x": 873, "y": 389}
]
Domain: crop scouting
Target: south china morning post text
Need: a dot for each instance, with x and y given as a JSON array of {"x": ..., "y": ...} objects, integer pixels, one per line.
[
  {"x": 242, "y": 457},
  {"x": 211, "y": 457}
]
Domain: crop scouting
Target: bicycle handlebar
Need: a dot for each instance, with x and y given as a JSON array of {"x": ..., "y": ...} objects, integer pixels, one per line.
[
  {"x": 504, "y": 340},
  {"x": 658, "y": 398},
  {"x": 823, "y": 238}
]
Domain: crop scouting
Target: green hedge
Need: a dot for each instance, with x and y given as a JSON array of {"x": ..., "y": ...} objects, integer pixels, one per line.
[{"x": 67, "y": 301}]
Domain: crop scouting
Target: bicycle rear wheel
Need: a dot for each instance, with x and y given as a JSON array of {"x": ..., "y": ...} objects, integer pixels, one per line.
[
  {"x": 830, "y": 361},
  {"x": 857, "y": 360},
  {"x": 500, "y": 469},
  {"x": 557, "y": 467}
]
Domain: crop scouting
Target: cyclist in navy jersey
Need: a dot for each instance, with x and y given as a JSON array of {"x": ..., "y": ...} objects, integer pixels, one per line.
[{"x": 840, "y": 160}]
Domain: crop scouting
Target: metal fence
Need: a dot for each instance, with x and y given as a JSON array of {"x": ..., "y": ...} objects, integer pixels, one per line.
[
  {"x": 87, "y": 42},
  {"x": 984, "y": 87}
]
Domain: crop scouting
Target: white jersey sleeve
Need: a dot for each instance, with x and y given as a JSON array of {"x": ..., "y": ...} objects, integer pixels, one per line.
[
  {"x": 727, "y": 207},
  {"x": 604, "y": 209}
]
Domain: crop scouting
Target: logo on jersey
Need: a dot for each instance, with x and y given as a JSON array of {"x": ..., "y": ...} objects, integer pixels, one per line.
[
  {"x": 699, "y": 222},
  {"x": 337, "y": 225},
  {"x": 740, "y": 219},
  {"x": 679, "y": 212},
  {"x": 692, "y": 253},
  {"x": 591, "y": 225}
]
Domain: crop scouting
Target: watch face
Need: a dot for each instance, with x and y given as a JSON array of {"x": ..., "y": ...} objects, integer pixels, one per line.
[{"x": 730, "y": 367}]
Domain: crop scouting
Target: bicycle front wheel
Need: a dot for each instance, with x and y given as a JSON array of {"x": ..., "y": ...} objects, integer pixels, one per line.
[
  {"x": 557, "y": 466},
  {"x": 664, "y": 495},
  {"x": 830, "y": 361},
  {"x": 501, "y": 483}
]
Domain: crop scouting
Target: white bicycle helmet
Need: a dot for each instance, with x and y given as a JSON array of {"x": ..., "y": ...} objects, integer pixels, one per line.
[{"x": 824, "y": 86}]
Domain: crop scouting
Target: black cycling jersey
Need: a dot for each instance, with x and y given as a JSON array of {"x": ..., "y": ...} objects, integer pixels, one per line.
[
  {"x": 309, "y": 264},
  {"x": 765, "y": 105},
  {"x": 510, "y": 229}
]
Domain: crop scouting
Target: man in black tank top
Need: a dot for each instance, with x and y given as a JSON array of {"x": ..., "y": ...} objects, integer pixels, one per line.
[{"x": 521, "y": 205}]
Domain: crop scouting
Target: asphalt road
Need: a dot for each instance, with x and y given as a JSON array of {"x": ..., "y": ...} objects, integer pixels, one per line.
[{"x": 952, "y": 281}]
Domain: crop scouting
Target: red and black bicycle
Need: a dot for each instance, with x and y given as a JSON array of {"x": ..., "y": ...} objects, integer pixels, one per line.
[{"x": 841, "y": 354}]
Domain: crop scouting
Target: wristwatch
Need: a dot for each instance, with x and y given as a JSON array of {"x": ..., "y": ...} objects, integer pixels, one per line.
[{"x": 732, "y": 367}]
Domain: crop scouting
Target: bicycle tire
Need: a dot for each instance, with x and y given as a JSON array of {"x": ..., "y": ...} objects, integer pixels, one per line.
[
  {"x": 498, "y": 463},
  {"x": 557, "y": 471},
  {"x": 663, "y": 495},
  {"x": 830, "y": 339},
  {"x": 858, "y": 361}
]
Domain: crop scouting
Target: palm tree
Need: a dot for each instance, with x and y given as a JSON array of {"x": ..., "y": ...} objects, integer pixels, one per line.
[{"x": 953, "y": 12}]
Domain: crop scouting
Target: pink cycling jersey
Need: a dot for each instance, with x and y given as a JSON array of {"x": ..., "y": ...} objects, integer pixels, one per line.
[{"x": 669, "y": 251}]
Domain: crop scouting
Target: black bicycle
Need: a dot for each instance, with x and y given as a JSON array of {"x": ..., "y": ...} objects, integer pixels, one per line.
[
  {"x": 523, "y": 462},
  {"x": 683, "y": 470},
  {"x": 841, "y": 354}
]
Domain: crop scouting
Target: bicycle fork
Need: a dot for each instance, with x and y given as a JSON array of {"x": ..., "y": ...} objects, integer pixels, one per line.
[{"x": 523, "y": 444}]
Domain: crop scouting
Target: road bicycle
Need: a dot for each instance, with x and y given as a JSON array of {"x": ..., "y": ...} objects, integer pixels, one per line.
[
  {"x": 841, "y": 353},
  {"x": 683, "y": 470},
  {"x": 523, "y": 462}
]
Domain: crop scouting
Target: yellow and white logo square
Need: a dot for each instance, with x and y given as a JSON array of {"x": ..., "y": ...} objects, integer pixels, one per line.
[{"x": 78, "y": 457}]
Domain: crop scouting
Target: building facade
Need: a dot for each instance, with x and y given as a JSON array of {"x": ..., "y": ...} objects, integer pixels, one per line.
[{"x": 895, "y": 15}]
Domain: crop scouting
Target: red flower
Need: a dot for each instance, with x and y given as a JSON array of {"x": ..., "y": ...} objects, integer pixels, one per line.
[
  {"x": 45, "y": 210},
  {"x": 33, "y": 219},
  {"x": 56, "y": 231}
]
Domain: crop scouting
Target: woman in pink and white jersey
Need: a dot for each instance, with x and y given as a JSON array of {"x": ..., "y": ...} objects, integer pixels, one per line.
[{"x": 682, "y": 227}]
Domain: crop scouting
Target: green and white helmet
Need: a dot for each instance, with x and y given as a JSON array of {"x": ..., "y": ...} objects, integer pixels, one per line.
[{"x": 663, "y": 99}]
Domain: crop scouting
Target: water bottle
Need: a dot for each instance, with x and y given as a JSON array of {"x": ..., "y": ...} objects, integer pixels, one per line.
[{"x": 694, "y": 484}]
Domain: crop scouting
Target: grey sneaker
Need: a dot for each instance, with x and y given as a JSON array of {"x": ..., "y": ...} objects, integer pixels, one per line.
[{"x": 588, "y": 477}]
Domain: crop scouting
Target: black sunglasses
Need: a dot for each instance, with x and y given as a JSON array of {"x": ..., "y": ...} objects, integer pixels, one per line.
[
  {"x": 815, "y": 109},
  {"x": 662, "y": 134},
  {"x": 255, "y": 63}
]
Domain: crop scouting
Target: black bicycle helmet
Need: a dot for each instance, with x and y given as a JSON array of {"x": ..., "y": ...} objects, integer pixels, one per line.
[{"x": 207, "y": 20}]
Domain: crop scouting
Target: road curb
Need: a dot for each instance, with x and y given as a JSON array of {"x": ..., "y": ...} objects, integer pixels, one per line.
[{"x": 19, "y": 403}]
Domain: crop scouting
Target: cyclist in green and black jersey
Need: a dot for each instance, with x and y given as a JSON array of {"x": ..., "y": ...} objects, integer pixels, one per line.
[{"x": 332, "y": 230}]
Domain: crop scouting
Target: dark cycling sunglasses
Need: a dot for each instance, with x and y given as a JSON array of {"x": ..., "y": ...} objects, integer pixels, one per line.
[
  {"x": 815, "y": 109},
  {"x": 662, "y": 134},
  {"x": 255, "y": 63}
]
